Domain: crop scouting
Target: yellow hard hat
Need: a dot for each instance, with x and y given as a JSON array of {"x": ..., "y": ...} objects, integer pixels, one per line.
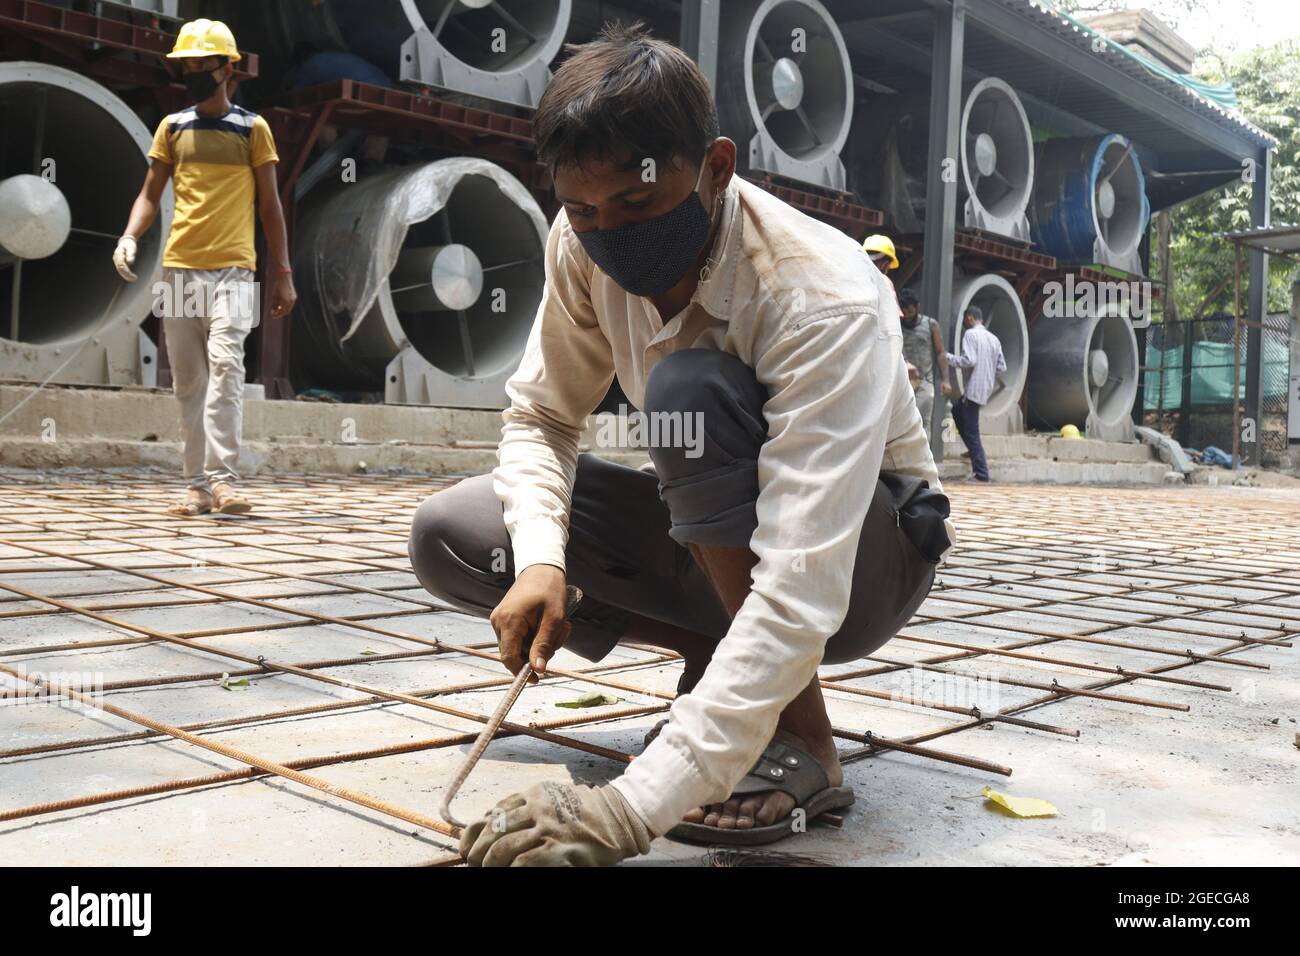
[
  {"x": 881, "y": 244},
  {"x": 205, "y": 38},
  {"x": 1070, "y": 431}
]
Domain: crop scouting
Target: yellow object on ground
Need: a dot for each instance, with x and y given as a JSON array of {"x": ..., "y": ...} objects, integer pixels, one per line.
[
  {"x": 205, "y": 37},
  {"x": 881, "y": 244},
  {"x": 1021, "y": 806},
  {"x": 1070, "y": 431}
]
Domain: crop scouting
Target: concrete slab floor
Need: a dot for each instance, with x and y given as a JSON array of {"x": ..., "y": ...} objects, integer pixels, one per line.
[{"x": 1188, "y": 755}]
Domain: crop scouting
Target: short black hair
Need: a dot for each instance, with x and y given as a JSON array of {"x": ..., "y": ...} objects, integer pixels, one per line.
[
  {"x": 975, "y": 312},
  {"x": 626, "y": 97},
  {"x": 907, "y": 297}
]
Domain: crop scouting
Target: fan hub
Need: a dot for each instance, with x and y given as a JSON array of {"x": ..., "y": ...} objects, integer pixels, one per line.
[
  {"x": 986, "y": 154},
  {"x": 1098, "y": 368},
  {"x": 457, "y": 276},
  {"x": 34, "y": 217},
  {"x": 1105, "y": 199},
  {"x": 787, "y": 83}
]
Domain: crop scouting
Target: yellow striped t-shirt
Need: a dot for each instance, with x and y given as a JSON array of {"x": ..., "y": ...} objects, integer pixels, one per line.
[{"x": 212, "y": 163}]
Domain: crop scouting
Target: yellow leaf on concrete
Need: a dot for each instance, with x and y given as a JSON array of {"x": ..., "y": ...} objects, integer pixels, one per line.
[{"x": 1021, "y": 806}]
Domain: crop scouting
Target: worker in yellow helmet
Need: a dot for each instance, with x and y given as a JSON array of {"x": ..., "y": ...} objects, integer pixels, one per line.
[
  {"x": 881, "y": 250},
  {"x": 221, "y": 159}
]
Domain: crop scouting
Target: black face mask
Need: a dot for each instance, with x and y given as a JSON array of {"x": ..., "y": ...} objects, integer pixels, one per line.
[
  {"x": 201, "y": 86},
  {"x": 649, "y": 258}
]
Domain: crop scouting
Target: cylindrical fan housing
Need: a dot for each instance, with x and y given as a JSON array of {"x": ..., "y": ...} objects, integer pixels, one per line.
[
  {"x": 495, "y": 49},
  {"x": 422, "y": 281},
  {"x": 792, "y": 113},
  {"x": 1004, "y": 316},
  {"x": 997, "y": 160},
  {"x": 1090, "y": 203},
  {"x": 62, "y": 208},
  {"x": 1083, "y": 371}
]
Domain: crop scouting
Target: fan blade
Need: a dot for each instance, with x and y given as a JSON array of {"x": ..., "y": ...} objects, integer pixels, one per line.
[
  {"x": 1118, "y": 163},
  {"x": 442, "y": 18},
  {"x": 38, "y": 140},
  {"x": 807, "y": 124},
  {"x": 507, "y": 16},
  {"x": 466, "y": 346},
  {"x": 93, "y": 232},
  {"x": 513, "y": 263},
  {"x": 761, "y": 47}
]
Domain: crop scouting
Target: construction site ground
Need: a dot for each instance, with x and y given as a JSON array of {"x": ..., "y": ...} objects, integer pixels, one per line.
[{"x": 1124, "y": 653}]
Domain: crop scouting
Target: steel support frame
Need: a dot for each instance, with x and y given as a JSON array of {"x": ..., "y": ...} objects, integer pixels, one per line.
[
  {"x": 93, "y": 34},
  {"x": 941, "y": 188},
  {"x": 700, "y": 31},
  {"x": 1256, "y": 306}
]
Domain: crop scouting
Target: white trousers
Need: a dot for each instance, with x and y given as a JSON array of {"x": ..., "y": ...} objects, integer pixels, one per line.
[{"x": 207, "y": 314}]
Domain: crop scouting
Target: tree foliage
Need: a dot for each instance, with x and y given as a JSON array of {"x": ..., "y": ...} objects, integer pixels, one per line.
[{"x": 1267, "y": 82}]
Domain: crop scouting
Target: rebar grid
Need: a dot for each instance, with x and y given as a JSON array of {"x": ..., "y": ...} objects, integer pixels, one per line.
[{"x": 1079, "y": 590}]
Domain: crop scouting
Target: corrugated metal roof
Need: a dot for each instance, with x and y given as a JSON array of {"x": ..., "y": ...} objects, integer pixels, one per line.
[
  {"x": 1122, "y": 59},
  {"x": 1283, "y": 239}
]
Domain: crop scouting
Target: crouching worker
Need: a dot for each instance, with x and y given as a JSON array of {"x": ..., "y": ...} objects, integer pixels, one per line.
[{"x": 802, "y": 527}]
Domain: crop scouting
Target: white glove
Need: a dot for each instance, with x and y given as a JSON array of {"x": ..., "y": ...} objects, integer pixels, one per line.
[
  {"x": 124, "y": 257},
  {"x": 557, "y": 824}
]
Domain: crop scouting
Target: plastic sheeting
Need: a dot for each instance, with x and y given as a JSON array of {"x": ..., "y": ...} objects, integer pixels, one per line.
[
  {"x": 1211, "y": 374},
  {"x": 350, "y": 241}
]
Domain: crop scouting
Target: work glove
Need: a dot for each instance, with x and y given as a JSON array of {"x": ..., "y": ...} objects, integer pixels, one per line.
[
  {"x": 124, "y": 257},
  {"x": 557, "y": 824}
]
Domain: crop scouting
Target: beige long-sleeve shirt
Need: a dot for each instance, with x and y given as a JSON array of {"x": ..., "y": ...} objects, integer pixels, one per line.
[{"x": 798, "y": 302}]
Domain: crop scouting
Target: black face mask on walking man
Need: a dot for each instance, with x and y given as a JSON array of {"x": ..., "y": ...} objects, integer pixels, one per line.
[
  {"x": 201, "y": 86},
  {"x": 649, "y": 258}
]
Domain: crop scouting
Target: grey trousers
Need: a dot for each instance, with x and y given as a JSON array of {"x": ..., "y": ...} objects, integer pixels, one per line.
[
  {"x": 925, "y": 402},
  {"x": 628, "y": 529},
  {"x": 206, "y": 353}
]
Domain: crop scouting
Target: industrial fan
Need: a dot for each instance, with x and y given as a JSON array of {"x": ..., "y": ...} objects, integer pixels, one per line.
[{"x": 997, "y": 160}]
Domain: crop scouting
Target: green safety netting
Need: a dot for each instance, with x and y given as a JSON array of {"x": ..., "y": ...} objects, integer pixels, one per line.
[{"x": 1211, "y": 378}]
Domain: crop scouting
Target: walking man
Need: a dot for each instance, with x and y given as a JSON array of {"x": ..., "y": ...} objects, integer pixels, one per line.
[
  {"x": 922, "y": 347},
  {"x": 221, "y": 159},
  {"x": 803, "y": 529},
  {"x": 982, "y": 359}
]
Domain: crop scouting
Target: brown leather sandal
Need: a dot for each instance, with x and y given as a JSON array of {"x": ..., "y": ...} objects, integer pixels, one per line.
[
  {"x": 197, "y": 502},
  {"x": 227, "y": 501}
]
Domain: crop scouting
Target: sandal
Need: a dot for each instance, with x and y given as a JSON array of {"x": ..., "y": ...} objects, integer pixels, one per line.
[
  {"x": 781, "y": 767},
  {"x": 197, "y": 502},
  {"x": 227, "y": 501}
]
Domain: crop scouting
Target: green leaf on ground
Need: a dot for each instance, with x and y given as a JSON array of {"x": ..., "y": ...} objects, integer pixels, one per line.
[{"x": 588, "y": 700}]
